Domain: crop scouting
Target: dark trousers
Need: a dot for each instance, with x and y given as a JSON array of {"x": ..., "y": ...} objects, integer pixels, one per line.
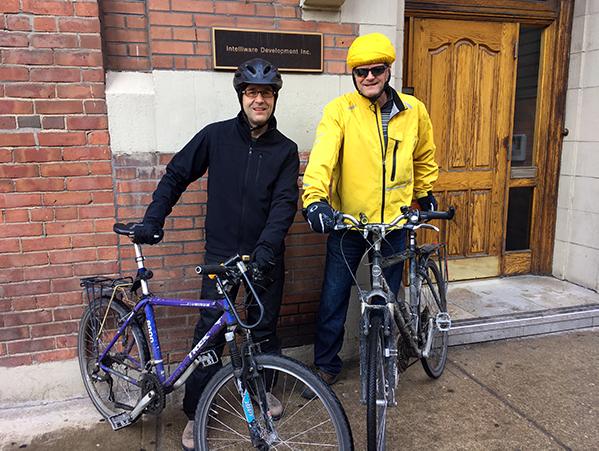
[
  {"x": 264, "y": 333},
  {"x": 344, "y": 252}
]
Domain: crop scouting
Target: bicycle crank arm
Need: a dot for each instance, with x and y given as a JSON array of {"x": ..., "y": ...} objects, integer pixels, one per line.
[{"x": 124, "y": 419}]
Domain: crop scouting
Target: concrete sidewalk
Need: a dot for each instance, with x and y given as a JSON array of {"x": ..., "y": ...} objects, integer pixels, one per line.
[{"x": 537, "y": 393}]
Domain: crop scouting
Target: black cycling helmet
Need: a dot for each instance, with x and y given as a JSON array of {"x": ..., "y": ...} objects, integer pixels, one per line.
[{"x": 257, "y": 71}]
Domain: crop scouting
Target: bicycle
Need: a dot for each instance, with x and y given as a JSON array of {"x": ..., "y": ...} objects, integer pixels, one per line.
[
  {"x": 392, "y": 330},
  {"x": 125, "y": 376}
]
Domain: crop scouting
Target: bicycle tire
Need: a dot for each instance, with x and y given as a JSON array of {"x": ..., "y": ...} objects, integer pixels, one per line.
[
  {"x": 304, "y": 424},
  {"x": 128, "y": 355},
  {"x": 376, "y": 395},
  {"x": 431, "y": 301}
]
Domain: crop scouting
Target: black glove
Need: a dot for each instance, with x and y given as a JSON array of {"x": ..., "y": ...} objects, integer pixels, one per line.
[
  {"x": 320, "y": 216},
  {"x": 428, "y": 202},
  {"x": 264, "y": 258},
  {"x": 147, "y": 233}
]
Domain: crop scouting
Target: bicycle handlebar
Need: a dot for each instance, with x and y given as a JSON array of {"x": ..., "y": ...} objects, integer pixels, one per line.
[{"x": 413, "y": 216}]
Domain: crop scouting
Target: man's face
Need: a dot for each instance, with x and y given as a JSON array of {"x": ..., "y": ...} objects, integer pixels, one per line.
[
  {"x": 371, "y": 78},
  {"x": 258, "y": 102}
]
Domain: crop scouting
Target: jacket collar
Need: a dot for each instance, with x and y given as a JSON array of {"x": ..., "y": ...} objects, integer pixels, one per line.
[
  {"x": 398, "y": 105},
  {"x": 244, "y": 125}
]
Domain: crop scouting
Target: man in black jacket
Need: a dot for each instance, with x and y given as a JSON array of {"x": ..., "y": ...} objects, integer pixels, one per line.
[{"x": 252, "y": 200}]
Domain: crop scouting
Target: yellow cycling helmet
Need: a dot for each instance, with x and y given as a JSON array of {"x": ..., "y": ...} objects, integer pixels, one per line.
[{"x": 369, "y": 49}]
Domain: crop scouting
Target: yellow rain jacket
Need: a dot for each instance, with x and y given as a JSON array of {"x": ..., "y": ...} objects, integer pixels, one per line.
[{"x": 353, "y": 169}]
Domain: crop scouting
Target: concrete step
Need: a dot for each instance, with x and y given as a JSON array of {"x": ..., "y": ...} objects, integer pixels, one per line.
[{"x": 521, "y": 324}]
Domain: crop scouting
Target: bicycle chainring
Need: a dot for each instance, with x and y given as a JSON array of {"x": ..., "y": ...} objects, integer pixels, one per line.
[{"x": 149, "y": 382}]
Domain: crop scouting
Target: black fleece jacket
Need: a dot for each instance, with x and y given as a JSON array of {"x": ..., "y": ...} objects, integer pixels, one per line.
[{"x": 252, "y": 185}]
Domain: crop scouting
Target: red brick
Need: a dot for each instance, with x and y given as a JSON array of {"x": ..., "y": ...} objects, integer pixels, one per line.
[
  {"x": 62, "y": 328},
  {"x": 14, "y": 74},
  {"x": 48, "y": 8},
  {"x": 335, "y": 67},
  {"x": 64, "y": 169},
  {"x": 297, "y": 25},
  {"x": 286, "y": 11},
  {"x": 54, "y": 40},
  {"x": 198, "y": 62},
  {"x": 94, "y": 106},
  {"x": 102, "y": 239},
  {"x": 234, "y": 8},
  {"x": 92, "y": 269},
  {"x": 55, "y": 74},
  {"x": 68, "y": 313},
  {"x": 21, "y": 23},
  {"x": 36, "y": 155},
  {"x": 177, "y": 19},
  {"x": 265, "y": 10},
  {"x": 184, "y": 34},
  {"x": 124, "y": 35},
  {"x": 59, "y": 354},
  {"x": 66, "y": 213},
  {"x": 17, "y": 139},
  {"x": 95, "y": 122},
  {"x": 20, "y": 230},
  {"x": 75, "y": 91},
  {"x": 48, "y": 272},
  {"x": 78, "y": 25},
  {"x": 13, "y": 39},
  {"x": 87, "y": 153},
  {"x": 19, "y": 360},
  {"x": 161, "y": 33},
  {"x": 29, "y": 259},
  {"x": 192, "y": 6},
  {"x": 46, "y": 243},
  {"x": 180, "y": 48},
  {"x": 8, "y": 122},
  {"x": 10, "y": 6},
  {"x": 19, "y": 200},
  {"x": 11, "y": 275},
  {"x": 16, "y": 106},
  {"x": 53, "y": 122},
  {"x": 162, "y": 62},
  {"x": 86, "y": 9},
  {"x": 21, "y": 347},
  {"x": 14, "y": 333},
  {"x": 203, "y": 34},
  {"x": 61, "y": 138},
  {"x": 81, "y": 58},
  {"x": 31, "y": 90},
  {"x": 66, "y": 198},
  {"x": 96, "y": 211},
  {"x": 68, "y": 227},
  {"x": 90, "y": 42},
  {"x": 58, "y": 106},
  {"x": 44, "y": 24},
  {"x": 9, "y": 245},
  {"x": 123, "y": 7},
  {"x": 136, "y": 22},
  {"x": 41, "y": 214},
  {"x": 93, "y": 75},
  {"x": 39, "y": 184},
  {"x": 89, "y": 183},
  {"x": 101, "y": 197},
  {"x": 335, "y": 54}
]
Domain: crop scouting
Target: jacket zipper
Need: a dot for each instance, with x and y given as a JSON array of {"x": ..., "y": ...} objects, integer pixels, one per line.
[
  {"x": 258, "y": 169},
  {"x": 394, "y": 161},
  {"x": 245, "y": 182},
  {"x": 383, "y": 154}
]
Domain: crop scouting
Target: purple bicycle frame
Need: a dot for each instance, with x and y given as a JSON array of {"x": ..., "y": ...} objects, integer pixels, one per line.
[{"x": 147, "y": 304}]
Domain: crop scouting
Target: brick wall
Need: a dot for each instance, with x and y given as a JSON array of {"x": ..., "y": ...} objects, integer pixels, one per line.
[
  {"x": 177, "y": 34},
  {"x": 56, "y": 197},
  {"x": 61, "y": 189}
]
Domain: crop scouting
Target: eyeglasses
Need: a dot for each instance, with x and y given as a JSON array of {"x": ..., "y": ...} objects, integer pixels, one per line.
[
  {"x": 376, "y": 71},
  {"x": 253, "y": 93}
]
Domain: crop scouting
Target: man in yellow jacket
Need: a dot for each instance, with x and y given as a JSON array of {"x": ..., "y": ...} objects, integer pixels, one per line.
[{"x": 373, "y": 153}]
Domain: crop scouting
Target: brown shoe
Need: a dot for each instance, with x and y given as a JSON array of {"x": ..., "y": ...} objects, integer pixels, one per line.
[{"x": 328, "y": 378}]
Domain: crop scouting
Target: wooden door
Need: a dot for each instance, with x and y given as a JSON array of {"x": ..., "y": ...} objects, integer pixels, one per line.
[{"x": 464, "y": 71}]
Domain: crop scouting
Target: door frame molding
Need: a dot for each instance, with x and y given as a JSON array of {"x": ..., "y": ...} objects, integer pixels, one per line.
[{"x": 556, "y": 16}]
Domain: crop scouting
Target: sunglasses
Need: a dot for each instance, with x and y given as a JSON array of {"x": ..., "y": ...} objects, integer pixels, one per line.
[{"x": 375, "y": 71}]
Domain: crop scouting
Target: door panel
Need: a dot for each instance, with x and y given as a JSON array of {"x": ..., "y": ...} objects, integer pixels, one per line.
[{"x": 465, "y": 73}]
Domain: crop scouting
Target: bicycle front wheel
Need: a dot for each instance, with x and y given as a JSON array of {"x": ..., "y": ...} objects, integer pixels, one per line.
[
  {"x": 432, "y": 302},
  {"x": 110, "y": 394},
  {"x": 376, "y": 395},
  {"x": 319, "y": 422}
]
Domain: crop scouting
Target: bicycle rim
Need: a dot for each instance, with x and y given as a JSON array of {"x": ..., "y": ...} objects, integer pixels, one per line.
[
  {"x": 376, "y": 396},
  {"x": 433, "y": 302},
  {"x": 305, "y": 424},
  {"x": 110, "y": 394}
]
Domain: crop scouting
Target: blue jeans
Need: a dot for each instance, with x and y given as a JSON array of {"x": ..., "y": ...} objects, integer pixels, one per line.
[{"x": 336, "y": 288}]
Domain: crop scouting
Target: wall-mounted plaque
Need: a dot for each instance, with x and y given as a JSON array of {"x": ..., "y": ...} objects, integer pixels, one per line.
[{"x": 292, "y": 52}]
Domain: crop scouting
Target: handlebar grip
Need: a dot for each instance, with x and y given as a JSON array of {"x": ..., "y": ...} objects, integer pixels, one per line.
[
  {"x": 426, "y": 215},
  {"x": 211, "y": 269}
]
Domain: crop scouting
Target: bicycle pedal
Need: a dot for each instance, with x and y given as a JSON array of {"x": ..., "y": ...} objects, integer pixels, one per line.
[
  {"x": 120, "y": 420},
  {"x": 443, "y": 321}
]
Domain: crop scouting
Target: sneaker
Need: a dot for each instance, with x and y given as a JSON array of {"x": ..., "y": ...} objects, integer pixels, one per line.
[
  {"x": 187, "y": 438},
  {"x": 274, "y": 405},
  {"x": 329, "y": 379}
]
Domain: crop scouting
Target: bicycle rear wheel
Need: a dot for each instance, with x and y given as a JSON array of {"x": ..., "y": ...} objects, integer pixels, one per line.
[
  {"x": 220, "y": 422},
  {"x": 376, "y": 395},
  {"x": 432, "y": 301},
  {"x": 100, "y": 322}
]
